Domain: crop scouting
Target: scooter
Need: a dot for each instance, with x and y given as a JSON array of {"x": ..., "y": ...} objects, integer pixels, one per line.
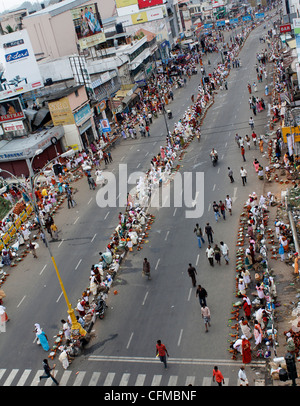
[
  {"x": 214, "y": 159},
  {"x": 101, "y": 307}
]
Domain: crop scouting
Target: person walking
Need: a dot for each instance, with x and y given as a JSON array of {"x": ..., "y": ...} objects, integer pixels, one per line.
[
  {"x": 192, "y": 274},
  {"x": 199, "y": 235},
  {"x": 242, "y": 377},
  {"x": 243, "y": 152},
  {"x": 205, "y": 313},
  {"x": 216, "y": 211},
  {"x": 201, "y": 293},
  {"x": 217, "y": 376},
  {"x": 230, "y": 175},
  {"x": 146, "y": 268},
  {"x": 251, "y": 123},
  {"x": 222, "y": 209},
  {"x": 162, "y": 352},
  {"x": 32, "y": 247},
  {"x": 209, "y": 232},
  {"x": 228, "y": 203},
  {"x": 43, "y": 238},
  {"x": 225, "y": 251},
  {"x": 243, "y": 173},
  {"x": 210, "y": 255},
  {"x": 48, "y": 370},
  {"x": 217, "y": 253}
]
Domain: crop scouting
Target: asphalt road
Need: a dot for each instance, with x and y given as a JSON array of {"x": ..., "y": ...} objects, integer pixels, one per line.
[{"x": 166, "y": 307}]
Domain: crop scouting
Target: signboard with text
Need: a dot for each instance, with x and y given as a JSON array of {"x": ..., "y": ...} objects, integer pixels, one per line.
[
  {"x": 149, "y": 3},
  {"x": 285, "y": 28},
  {"x": 10, "y": 110}
]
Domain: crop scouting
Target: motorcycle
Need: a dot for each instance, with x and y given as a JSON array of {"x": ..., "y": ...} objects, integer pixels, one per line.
[
  {"x": 214, "y": 159},
  {"x": 101, "y": 306}
]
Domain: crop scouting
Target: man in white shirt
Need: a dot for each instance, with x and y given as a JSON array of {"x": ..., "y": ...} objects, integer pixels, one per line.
[
  {"x": 210, "y": 255},
  {"x": 242, "y": 377},
  {"x": 228, "y": 202},
  {"x": 243, "y": 173},
  {"x": 225, "y": 251}
]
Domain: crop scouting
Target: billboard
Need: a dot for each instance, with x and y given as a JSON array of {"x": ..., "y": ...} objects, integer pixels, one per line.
[
  {"x": 88, "y": 25},
  {"x": 61, "y": 112},
  {"x": 149, "y": 3},
  {"x": 19, "y": 71},
  {"x": 10, "y": 110},
  {"x": 125, "y": 3}
]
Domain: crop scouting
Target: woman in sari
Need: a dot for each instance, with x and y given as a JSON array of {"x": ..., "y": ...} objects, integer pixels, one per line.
[
  {"x": 258, "y": 333},
  {"x": 41, "y": 336},
  {"x": 246, "y": 350},
  {"x": 245, "y": 328}
]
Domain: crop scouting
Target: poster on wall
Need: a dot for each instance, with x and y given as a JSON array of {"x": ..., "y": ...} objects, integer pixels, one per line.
[
  {"x": 11, "y": 110},
  {"x": 19, "y": 71},
  {"x": 149, "y": 3},
  {"x": 88, "y": 25}
]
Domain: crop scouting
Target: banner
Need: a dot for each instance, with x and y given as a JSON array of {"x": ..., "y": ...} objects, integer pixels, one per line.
[
  {"x": 88, "y": 25},
  {"x": 10, "y": 110},
  {"x": 149, "y": 3},
  {"x": 20, "y": 72}
]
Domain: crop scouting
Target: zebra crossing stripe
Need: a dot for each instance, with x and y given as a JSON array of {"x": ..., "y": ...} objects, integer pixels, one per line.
[
  {"x": 156, "y": 380},
  {"x": 190, "y": 380},
  {"x": 10, "y": 377},
  {"x": 124, "y": 380},
  {"x": 172, "y": 380},
  {"x": 24, "y": 377},
  {"x": 79, "y": 378},
  {"x": 64, "y": 379},
  {"x": 2, "y": 372},
  {"x": 140, "y": 380},
  {"x": 206, "y": 381},
  {"x": 36, "y": 379},
  {"x": 109, "y": 379},
  {"x": 94, "y": 379}
]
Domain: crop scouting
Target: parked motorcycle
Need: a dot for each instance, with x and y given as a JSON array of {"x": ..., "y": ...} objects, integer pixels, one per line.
[{"x": 101, "y": 306}]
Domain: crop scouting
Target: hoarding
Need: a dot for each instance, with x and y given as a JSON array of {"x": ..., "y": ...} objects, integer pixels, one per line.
[
  {"x": 10, "y": 110},
  {"x": 19, "y": 71},
  {"x": 285, "y": 28},
  {"x": 149, "y": 3},
  {"x": 88, "y": 25},
  {"x": 61, "y": 112},
  {"x": 125, "y": 3}
]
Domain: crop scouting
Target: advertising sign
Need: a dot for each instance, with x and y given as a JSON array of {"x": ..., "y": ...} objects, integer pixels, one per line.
[
  {"x": 19, "y": 71},
  {"x": 13, "y": 126},
  {"x": 61, "y": 112},
  {"x": 139, "y": 18},
  {"x": 285, "y": 28},
  {"x": 289, "y": 131},
  {"x": 259, "y": 15},
  {"x": 10, "y": 110},
  {"x": 149, "y": 3},
  {"x": 246, "y": 18},
  {"x": 82, "y": 114},
  {"x": 220, "y": 23},
  {"x": 88, "y": 25},
  {"x": 105, "y": 126},
  {"x": 125, "y": 3},
  {"x": 233, "y": 21}
]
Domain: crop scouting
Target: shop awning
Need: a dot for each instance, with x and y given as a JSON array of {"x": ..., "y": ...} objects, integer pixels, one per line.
[{"x": 41, "y": 114}]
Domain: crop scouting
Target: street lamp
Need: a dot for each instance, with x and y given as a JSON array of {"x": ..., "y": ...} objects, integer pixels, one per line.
[{"x": 75, "y": 324}]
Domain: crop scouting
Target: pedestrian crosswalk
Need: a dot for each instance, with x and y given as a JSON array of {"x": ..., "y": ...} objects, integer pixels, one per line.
[{"x": 28, "y": 377}]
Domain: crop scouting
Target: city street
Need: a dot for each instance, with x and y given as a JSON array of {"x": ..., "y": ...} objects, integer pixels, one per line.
[{"x": 165, "y": 307}]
